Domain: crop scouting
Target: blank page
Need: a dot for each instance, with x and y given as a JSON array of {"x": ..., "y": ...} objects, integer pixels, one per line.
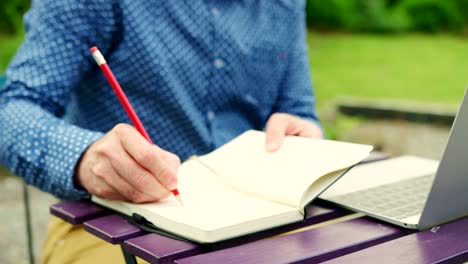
[
  {"x": 212, "y": 210},
  {"x": 286, "y": 174}
]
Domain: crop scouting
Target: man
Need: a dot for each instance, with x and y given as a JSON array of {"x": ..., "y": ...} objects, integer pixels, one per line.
[{"x": 198, "y": 73}]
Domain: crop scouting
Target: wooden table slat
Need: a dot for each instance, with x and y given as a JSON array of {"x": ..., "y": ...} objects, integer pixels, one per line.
[
  {"x": 447, "y": 243},
  {"x": 112, "y": 228},
  {"x": 156, "y": 248},
  {"x": 314, "y": 245},
  {"x": 77, "y": 212}
]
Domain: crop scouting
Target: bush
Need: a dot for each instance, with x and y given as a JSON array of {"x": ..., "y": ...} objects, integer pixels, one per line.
[
  {"x": 433, "y": 15},
  {"x": 331, "y": 14},
  {"x": 379, "y": 16},
  {"x": 388, "y": 15},
  {"x": 462, "y": 6},
  {"x": 11, "y": 12},
  {"x": 356, "y": 15}
]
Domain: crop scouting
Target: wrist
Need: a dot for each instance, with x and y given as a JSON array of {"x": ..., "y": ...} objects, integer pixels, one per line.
[{"x": 79, "y": 169}]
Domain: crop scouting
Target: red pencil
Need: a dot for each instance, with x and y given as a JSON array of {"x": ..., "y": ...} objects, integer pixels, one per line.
[{"x": 124, "y": 101}]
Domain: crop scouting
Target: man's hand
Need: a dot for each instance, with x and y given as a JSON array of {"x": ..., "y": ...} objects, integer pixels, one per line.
[
  {"x": 124, "y": 166},
  {"x": 280, "y": 125}
]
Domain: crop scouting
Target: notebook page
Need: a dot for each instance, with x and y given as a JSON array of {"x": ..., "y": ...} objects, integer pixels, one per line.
[
  {"x": 212, "y": 211},
  {"x": 209, "y": 204},
  {"x": 285, "y": 175}
]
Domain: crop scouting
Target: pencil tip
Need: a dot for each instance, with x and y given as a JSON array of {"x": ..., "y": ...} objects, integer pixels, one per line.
[{"x": 179, "y": 199}]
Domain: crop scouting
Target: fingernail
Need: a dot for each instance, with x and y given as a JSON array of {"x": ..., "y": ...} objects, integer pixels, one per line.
[{"x": 172, "y": 184}]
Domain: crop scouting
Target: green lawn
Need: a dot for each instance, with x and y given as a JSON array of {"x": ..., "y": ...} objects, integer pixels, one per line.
[
  {"x": 8, "y": 46},
  {"x": 411, "y": 67}
]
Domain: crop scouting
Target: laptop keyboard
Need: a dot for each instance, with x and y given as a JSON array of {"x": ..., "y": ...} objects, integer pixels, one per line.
[{"x": 395, "y": 200}]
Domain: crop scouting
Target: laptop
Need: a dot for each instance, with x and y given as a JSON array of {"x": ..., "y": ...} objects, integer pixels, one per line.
[{"x": 409, "y": 191}]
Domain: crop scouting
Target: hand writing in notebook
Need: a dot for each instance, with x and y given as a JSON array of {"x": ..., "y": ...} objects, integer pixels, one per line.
[
  {"x": 239, "y": 189},
  {"x": 124, "y": 166},
  {"x": 281, "y": 124}
]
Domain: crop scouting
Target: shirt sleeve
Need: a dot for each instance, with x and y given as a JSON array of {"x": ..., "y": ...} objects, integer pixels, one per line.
[
  {"x": 35, "y": 142},
  {"x": 296, "y": 93}
]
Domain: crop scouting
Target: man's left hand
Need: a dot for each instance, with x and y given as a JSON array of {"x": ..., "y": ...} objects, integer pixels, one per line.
[{"x": 281, "y": 124}]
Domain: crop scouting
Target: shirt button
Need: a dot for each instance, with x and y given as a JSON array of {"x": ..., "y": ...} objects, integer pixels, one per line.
[
  {"x": 218, "y": 63},
  {"x": 210, "y": 115},
  {"x": 215, "y": 11}
]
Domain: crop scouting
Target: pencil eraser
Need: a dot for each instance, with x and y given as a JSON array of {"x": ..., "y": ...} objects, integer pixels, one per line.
[
  {"x": 93, "y": 49},
  {"x": 97, "y": 55}
]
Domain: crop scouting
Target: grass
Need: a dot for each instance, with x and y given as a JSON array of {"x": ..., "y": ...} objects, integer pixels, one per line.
[
  {"x": 427, "y": 68},
  {"x": 8, "y": 46}
]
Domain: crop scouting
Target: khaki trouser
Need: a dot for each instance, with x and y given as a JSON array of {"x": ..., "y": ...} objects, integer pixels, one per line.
[{"x": 66, "y": 243}]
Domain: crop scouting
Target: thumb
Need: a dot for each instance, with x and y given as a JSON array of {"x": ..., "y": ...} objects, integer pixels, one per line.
[{"x": 275, "y": 132}]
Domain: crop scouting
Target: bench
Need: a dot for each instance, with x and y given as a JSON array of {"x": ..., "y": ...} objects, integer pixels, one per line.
[{"x": 432, "y": 113}]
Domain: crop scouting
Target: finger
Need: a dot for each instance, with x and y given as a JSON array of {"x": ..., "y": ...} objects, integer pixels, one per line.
[
  {"x": 166, "y": 169},
  {"x": 147, "y": 155},
  {"x": 144, "y": 185},
  {"x": 125, "y": 186},
  {"x": 311, "y": 130},
  {"x": 104, "y": 190},
  {"x": 275, "y": 131},
  {"x": 102, "y": 174},
  {"x": 172, "y": 159}
]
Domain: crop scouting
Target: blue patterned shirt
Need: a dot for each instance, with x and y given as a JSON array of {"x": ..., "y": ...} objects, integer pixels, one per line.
[{"x": 197, "y": 72}]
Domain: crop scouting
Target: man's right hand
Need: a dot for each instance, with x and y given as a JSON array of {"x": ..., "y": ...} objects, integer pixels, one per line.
[{"x": 124, "y": 166}]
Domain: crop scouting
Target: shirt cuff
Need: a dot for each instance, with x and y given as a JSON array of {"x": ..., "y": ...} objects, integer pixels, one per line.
[{"x": 79, "y": 139}]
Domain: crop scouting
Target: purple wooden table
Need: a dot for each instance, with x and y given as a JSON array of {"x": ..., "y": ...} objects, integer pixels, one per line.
[{"x": 328, "y": 234}]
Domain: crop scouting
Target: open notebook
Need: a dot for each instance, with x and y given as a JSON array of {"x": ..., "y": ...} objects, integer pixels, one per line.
[{"x": 240, "y": 188}]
